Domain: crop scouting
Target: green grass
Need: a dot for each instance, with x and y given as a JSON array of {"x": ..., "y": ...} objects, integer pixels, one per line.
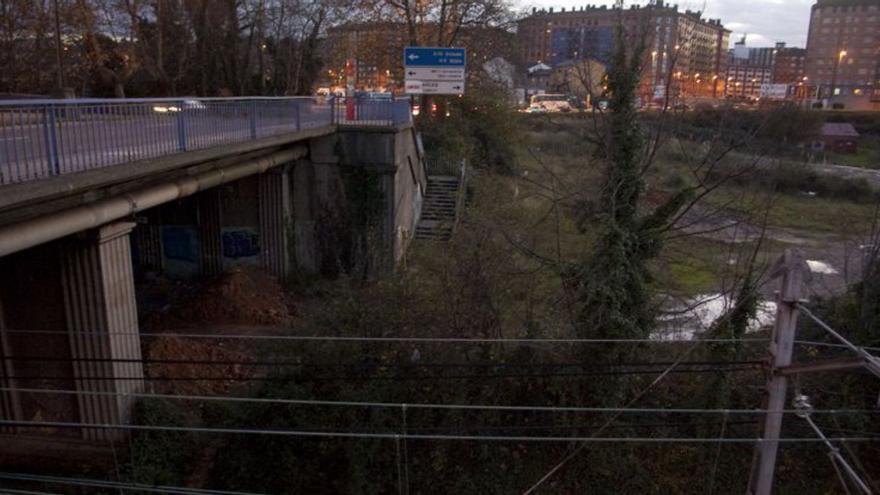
[
  {"x": 692, "y": 277},
  {"x": 868, "y": 155},
  {"x": 804, "y": 212}
]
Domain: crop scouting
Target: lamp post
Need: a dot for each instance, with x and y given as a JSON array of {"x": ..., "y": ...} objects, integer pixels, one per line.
[{"x": 840, "y": 57}]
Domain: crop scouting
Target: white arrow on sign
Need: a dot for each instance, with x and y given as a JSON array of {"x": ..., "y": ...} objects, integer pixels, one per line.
[
  {"x": 413, "y": 56},
  {"x": 435, "y": 74},
  {"x": 434, "y": 87}
]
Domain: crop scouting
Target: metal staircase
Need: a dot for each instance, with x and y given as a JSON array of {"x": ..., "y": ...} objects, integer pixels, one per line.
[
  {"x": 444, "y": 199},
  {"x": 438, "y": 210}
]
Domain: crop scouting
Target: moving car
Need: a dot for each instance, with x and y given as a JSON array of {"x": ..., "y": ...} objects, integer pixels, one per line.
[
  {"x": 174, "y": 106},
  {"x": 549, "y": 103}
]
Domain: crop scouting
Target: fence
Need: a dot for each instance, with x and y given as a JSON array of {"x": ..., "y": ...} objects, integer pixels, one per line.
[
  {"x": 372, "y": 111},
  {"x": 44, "y": 138}
]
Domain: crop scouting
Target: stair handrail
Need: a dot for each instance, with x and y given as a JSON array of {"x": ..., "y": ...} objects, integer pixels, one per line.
[
  {"x": 462, "y": 193},
  {"x": 422, "y": 159}
]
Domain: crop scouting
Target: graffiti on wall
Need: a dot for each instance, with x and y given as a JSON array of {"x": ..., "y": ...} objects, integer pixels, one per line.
[
  {"x": 241, "y": 244},
  {"x": 180, "y": 242}
]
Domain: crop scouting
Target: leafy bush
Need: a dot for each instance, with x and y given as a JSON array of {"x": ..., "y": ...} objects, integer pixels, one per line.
[
  {"x": 480, "y": 127},
  {"x": 160, "y": 457}
]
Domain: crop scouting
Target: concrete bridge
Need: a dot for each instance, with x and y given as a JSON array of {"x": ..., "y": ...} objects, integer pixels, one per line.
[{"x": 95, "y": 192}]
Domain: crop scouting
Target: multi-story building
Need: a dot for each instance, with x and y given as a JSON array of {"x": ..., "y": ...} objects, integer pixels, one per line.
[
  {"x": 744, "y": 81},
  {"x": 748, "y": 68},
  {"x": 682, "y": 47},
  {"x": 790, "y": 66},
  {"x": 843, "y": 47},
  {"x": 375, "y": 49}
]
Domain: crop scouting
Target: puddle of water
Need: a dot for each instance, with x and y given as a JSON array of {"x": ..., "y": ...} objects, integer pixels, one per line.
[
  {"x": 697, "y": 315},
  {"x": 821, "y": 267}
]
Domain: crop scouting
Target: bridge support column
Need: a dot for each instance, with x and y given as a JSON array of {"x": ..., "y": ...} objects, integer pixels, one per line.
[
  {"x": 275, "y": 221},
  {"x": 210, "y": 219},
  {"x": 304, "y": 211},
  {"x": 101, "y": 310},
  {"x": 10, "y": 405}
]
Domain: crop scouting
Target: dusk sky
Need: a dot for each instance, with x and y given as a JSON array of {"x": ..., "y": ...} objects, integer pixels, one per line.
[{"x": 765, "y": 21}]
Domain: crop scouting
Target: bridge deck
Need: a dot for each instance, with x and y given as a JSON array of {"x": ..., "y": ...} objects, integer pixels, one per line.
[{"x": 46, "y": 138}]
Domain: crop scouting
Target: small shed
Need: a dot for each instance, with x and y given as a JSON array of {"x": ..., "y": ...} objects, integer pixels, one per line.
[{"x": 840, "y": 137}]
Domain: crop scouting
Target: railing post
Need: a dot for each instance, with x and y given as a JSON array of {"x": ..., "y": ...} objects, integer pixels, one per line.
[
  {"x": 253, "y": 119},
  {"x": 181, "y": 128},
  {"x": 49, "y": 134},
  {"x": 296, "y": 114},
  {"x": 332, "y": 101}
]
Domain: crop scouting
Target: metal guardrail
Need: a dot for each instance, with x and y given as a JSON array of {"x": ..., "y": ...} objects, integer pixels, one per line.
[
  {"x": 359, "y": 111},
  {"x": 45, "y": 138}
]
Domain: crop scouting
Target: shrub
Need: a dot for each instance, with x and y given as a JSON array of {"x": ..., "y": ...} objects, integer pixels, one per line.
[{"x": 481, "y": 127}]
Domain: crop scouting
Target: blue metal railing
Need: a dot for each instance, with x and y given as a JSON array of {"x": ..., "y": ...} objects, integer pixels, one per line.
[
  {"x": 44, "y": 138},
  {"x": 363, "y": 110}
]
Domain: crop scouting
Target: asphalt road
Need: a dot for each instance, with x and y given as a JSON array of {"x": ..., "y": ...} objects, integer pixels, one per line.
[{"x": 94, "y": 141}]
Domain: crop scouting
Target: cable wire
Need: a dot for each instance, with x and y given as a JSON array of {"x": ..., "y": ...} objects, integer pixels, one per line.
[
  {"x": 400, "y": 405},
  {"x": 439, "y": 340},
  {"x": 245, "y": 362},
  {"x": 831, "y": 344},
  {"x": 393, "y": 435},
  {"x": 368, "y": 377},
  {"x": 116, "y": 484},
  {"x": 601, "y": 429},
  {"x": 14, "y": 491}
]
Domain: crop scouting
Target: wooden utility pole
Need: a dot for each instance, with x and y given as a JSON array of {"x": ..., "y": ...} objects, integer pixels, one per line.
[{"x": 792, "y": 267}]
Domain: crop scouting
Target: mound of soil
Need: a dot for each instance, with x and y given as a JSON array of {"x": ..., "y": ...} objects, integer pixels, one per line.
[
  {"x": 228, "y": 367},
  {"x": 241, "y": 295}
]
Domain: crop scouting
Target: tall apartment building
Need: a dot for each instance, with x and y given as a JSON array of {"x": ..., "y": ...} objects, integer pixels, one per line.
[
  {"x": 692, "y": 48},
  {"x": 375, "y": 48},
  {"x": 749, "y": 68},
  {"x": 843, "y": 47},
  {"x": 790, "y": 66},
  {"x": 745, "y": 81}
]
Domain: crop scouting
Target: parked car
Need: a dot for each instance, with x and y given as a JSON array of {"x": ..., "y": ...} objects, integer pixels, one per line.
[{"x": 174, "y": 107}]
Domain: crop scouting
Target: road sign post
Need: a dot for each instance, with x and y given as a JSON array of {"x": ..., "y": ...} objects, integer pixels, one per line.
[{"x": 434, "y": 70}]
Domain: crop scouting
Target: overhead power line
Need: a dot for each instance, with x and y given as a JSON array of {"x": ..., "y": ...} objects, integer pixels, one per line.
[
  {"x": 141, "y": 487},
  {"x": 402, "y": 405},
  {"x": 434, "y": 340},
  {"x": 396, "y": 377},
  {"x": 831, "y": 345},
  {"x": 379, "y": 364},
  {"x": 13, "y": 491},
  {"x": 391, "y": 435}
]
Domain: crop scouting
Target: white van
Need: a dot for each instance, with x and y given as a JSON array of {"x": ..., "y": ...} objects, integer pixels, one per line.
[{"x": 550, "y": 103}]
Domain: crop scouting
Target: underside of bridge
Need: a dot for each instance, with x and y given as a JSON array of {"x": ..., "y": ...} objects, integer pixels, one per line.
[{"x": 71, "y": 255}]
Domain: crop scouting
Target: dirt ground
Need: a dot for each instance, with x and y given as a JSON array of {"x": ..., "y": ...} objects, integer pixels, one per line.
[
  {"x": 242, "y": 295},
  {"x": 243, "y": 300}
]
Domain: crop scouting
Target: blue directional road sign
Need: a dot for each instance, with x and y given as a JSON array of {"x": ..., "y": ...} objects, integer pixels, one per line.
[
  {"x": 434, "y": 70},
  {"x": 419, "y": 56}
]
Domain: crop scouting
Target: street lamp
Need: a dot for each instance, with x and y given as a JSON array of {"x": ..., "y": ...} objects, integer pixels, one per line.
[{"x": 840, "y": 57}]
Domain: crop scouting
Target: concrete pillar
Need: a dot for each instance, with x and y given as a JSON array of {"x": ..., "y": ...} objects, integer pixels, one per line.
[
  {"x": 275, "y": 221},
  {"x": 101, "y": 314},
  {"x": 304, "y": 212},
  {"x": 10, "y": 404},
  {"x": 210, "y": 220}
]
